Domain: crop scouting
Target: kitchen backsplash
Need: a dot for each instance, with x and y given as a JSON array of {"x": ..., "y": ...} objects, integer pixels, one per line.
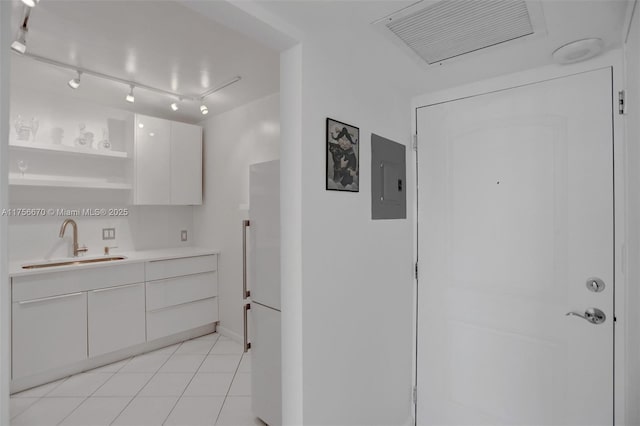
[{"x": 136, "y": 228}]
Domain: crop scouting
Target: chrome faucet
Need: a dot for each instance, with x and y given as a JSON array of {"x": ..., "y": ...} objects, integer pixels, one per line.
[{"x": 76, "y": 249}]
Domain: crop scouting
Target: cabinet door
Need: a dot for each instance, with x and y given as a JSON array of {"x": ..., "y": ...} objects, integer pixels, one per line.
[
  {"x": 186, "y": 163},
  {"x": 152, "y": 161},
  {"x": 48, "y": 333},
  {"x": 116, "y": 318}
]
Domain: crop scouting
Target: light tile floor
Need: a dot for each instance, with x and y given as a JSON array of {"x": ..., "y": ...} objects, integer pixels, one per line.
[{"x": 204, "y": 381}]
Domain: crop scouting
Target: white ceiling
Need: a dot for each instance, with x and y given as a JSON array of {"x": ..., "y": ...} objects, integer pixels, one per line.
[
  {"x": 187, "y": 46},
  {"x": 158, "y": 43},
  {"x": 565, "y": 21}
]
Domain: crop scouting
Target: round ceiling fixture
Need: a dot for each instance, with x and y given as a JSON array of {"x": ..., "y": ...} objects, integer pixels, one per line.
[{"x": 579, "y": 50}]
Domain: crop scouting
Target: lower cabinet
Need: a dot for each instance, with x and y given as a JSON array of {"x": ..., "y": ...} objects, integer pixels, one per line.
[
  {"x": 116, "y": 318},
  {"x": 175, "y": 319},
  {"x": 62, "y": 319},
  {"x": 48, "y": 333}
]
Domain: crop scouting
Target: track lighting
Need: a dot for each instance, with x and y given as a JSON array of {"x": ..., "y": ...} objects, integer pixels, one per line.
[
  {"x": 19, "y": 45},
  {"x": 130, "y": 97},
  {"x": 74, "y": 83},
  {"x": 31, "y": 3}
]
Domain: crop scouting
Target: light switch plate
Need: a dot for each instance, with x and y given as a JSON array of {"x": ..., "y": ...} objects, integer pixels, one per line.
[
  {"x": 183, "y": 235},
  {"x": 108, "y": 233}
]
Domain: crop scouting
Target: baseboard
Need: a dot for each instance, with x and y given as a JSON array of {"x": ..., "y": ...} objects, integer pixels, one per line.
[
  {"x": 24, "y": 383},
  {"x": 230, "y": 334}
]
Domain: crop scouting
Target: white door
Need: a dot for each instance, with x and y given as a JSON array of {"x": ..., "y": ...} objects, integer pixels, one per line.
[{"x": 515, "y": 217}]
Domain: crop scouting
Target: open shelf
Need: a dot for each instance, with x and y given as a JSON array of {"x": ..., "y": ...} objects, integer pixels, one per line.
[
  {"x": 46, "y": 147},
  {"x": 17, "y": 179}
]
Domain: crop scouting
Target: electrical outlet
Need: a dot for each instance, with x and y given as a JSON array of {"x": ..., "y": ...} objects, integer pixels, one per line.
[
  {"x": 108, "y": 233},
  {"x": 183, "y": 235}
]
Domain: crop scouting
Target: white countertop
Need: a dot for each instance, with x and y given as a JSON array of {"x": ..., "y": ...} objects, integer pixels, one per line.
[{"x": 15, "y": 267}]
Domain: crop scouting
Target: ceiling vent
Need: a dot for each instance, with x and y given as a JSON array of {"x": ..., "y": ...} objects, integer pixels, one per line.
[{"x": 442, "y": 30}]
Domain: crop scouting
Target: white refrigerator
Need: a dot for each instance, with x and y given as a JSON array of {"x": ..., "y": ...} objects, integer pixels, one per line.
[{"x": 263, "y": 307}]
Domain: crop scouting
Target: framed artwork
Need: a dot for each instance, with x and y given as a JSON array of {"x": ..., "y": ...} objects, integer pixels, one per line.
[{"x": 343, "y": 156}]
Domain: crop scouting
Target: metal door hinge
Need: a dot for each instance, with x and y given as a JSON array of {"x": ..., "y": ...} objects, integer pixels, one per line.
[
  {"x": 416, "y": 271},
  {"x": 415, "y": 395},
  {"x": 415, "y": 142},
  {"x": 621, "y": 105}
]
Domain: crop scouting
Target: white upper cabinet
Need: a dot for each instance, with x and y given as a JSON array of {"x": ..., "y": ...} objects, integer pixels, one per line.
[
  {"x": 152, "y": 158},
  {"x": 186, "y": 163},
  {"x": 168, "y": 162}
]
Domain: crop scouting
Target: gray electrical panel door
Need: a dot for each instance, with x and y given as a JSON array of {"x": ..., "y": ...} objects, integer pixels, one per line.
[{"x": 388, "y": 179}]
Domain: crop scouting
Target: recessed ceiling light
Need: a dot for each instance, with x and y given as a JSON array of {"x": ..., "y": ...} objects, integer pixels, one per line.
[
  {"x": 152, "y": 134},
  {"x": 130, "y": 97},
  {"x": 579, "y": 50},
  {"x": 174, "y": 106},
  {"x": 74, "y": 83},
  {"x": 31, "y": 3},
  {"x": 204, "y": 110},
  {"x": 141, "y": 125}
]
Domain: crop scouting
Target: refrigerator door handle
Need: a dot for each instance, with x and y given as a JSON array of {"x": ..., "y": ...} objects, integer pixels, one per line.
[
  {"x": 247, "y": 345},
  {"x": 245, "y": 293}
]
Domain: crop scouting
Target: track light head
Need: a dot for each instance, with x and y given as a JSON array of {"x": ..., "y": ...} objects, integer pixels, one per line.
[
  {"x": 31, "y": 3},
  {"x": 19, "y": 45},
  {"x": 174, "y": 106},
  {"x": 74, "y": 83},
  {"x": 204, "y": 110},
  {"x": 130, "y": 98}
]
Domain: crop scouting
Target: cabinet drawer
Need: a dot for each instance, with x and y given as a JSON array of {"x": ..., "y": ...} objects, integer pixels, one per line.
[
  {"x": 159, "y": 269},
  {"x": 168, "y": 321},
  {"x": 48, "y": 333},
  {"x": 116, "y": 318},
  {"x": 175, "y": 291},
  {"x": 56, "y": 283}
]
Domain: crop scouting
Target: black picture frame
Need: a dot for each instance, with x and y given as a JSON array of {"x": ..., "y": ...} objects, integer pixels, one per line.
[{"x": 343, "y": 145}]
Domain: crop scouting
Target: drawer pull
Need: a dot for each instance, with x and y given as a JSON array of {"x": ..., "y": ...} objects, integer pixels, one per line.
[
  {"x": 44, "y": 299},
  {"x": 100, "y": 290}
]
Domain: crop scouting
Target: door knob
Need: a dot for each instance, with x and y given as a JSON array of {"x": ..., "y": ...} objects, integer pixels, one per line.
[{"x": 593, "y": 315}]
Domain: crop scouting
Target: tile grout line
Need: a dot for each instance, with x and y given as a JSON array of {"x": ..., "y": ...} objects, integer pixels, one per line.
[
  {"x": 37, "y": 398},
  {"x": 145, "y": 384},
  {"x": 62, "y": 380},
  {"x": 229, "y": 390},
  {"x": 113, "y": 373},
  {"x": 194, "y": 375},
  {"x": 119, "y": 370}
]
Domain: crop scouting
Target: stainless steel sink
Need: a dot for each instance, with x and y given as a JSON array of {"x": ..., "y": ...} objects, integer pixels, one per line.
[{"x": 73, "y": 262}]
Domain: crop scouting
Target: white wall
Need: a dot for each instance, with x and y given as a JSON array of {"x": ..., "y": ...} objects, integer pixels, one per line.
[
  {"x": 354, "y": 274},
  {"x": 36, "y": 238},
  {"x": 5, "y": 302},
  {"x": 232, "y": 141},
  {"x": 632, "y": 121},
  {"x": 291, "y": 235}
]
